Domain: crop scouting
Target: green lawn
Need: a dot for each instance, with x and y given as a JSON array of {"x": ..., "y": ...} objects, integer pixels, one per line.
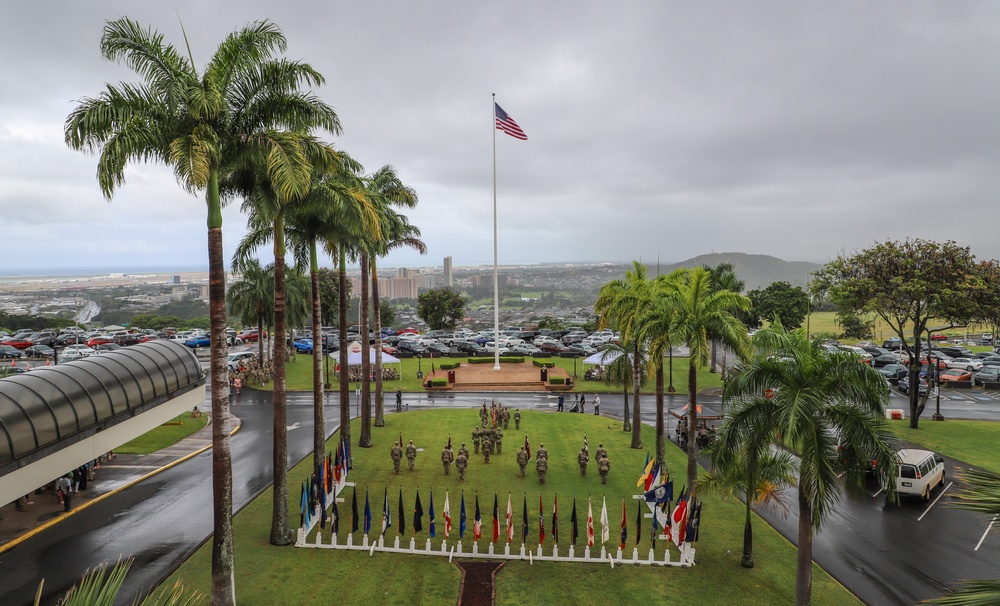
[
  {"x": 272, "y": 575},
  {"x": 299, "y": 376},
  {"x": 165, "y": 435},
  {"x": 973, "y": 442}
]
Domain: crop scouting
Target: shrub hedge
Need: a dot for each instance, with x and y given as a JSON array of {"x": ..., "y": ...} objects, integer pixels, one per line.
[
  {"x": 557, "y": 380},
  {"x": 543, "y": 364},
  {"x": 450, "y": 365},
  {"x": 507, "y": 359}
]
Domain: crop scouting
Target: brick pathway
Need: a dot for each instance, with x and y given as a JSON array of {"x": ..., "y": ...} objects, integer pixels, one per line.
[{"x": 523, "y": 376}]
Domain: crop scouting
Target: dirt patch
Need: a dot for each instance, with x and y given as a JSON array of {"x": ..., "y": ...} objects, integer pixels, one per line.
[{"x": 477, "y": 583}]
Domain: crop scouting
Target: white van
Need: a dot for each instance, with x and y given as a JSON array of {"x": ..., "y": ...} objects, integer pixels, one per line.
[{"x": 920, "y": 471}]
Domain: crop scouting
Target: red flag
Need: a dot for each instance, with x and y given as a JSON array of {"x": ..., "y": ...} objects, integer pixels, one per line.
[
  {"x": 477, "y": 526},
  {"x": 541, "y": 521},
  {"x": 624, "y": 526},
  {"x": 496, "y": 520},
  {"x": 590, "y": 524},
  {"x": 679, "y": 519},
  {"x": 510, "y": 520}
]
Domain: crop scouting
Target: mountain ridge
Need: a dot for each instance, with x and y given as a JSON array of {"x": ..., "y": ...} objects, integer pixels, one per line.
[{"x": 756, "y": 271}]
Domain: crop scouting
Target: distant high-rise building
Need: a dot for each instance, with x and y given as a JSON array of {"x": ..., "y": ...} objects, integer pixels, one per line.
[
  {"x": 447, "y": 272},
  {"x": 405, "y": 272},
  {"x": 398, "y": 288}
]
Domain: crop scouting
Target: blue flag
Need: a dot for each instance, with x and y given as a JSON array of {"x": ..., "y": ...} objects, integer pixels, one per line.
[
  {"x": 461, "y": 519},
  {"x": 302, "y": 506},
  {"x": 431, "y": 513},
  {"x": 386, "y": 513},
  {"x": 660, "y": 494},
  {"x": 368, "y": 514}
]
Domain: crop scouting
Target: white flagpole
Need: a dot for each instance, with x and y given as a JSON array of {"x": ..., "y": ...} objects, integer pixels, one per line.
[{"x": 496, "y": 292}]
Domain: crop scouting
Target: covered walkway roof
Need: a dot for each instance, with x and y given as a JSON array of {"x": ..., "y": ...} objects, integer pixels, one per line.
[{"x": 49, "y": 408}]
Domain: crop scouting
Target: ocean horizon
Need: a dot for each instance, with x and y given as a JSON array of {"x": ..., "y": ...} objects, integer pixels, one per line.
[{"x": 42, "y": 272}]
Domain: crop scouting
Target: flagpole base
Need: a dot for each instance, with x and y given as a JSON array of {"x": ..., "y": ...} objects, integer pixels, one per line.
[
  {"x": 571, "y": 555},
  {"x": 604, "y": 554},
  {"x": 540, "y": 554},
  {"x": 428, "y": 548},
  {"x": 413, "y": 544}
]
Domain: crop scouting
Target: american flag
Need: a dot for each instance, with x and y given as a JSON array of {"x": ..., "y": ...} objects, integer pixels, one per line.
[{"x": 507, "y": 124}]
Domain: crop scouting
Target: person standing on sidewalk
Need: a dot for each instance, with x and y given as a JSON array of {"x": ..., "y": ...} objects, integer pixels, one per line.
[
  {"x": 597, "y": 405},
  {"x": 65, "y": 487}
]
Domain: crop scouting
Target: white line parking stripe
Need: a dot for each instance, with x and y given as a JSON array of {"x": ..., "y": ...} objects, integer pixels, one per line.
[
  {"x": 988, "y": 527},
  {"x": 934, "y": 502},
  {"x": 878, "y": 493}
]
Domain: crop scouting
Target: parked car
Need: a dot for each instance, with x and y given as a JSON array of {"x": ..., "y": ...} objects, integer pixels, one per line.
[
  {"x": 198, "y": 341},
  {"x": 969, "y": 364},
  {"x": 43, "y": 339},
  {"x": 98, "y": 340},
  {"x": 525, "y": 349},
  {"x": 892, "y": 343},
  {"x": 939, "y": 337},
  {"x": 240, "y": 358},
  {"x": 303, "y": 346},
  {"x": 19, "y": 342},
  {"x": 126, "y": 339},
  {"x": 884, "y": 360},
  {"x": 9, "y": 351},
  {"x": 581, "y": 349},
  {"x": 249, "y": 336},
  {"x": 989, "y": 374},
  {"x": 986, "y": 339},
  {"x": 388, "y": 349},
  {"x": 904, "y": 386},
  {"x": 83, "y": 350},
  {"x": 894, "y": 371},
  {"x": 40, "y": 351},
  {"x": 411, "y": 346},
  {"x": 438, "y": 348},
  {"x": 953, "y": 375},
  {"x": 554, "y": 348},
  {"x": 471, "y": 348},
  {"x": 106, "y": 347},
  {"x": 491, "y": 348},
  {"x": 69, "y": 338}
]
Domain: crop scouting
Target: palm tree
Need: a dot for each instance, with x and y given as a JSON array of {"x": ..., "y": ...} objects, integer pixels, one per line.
[
  {"x": 251, "y": 298},
  {"x": 793, "y": 389},
  {"x": 620, "y": 303},
  {"x": 699, "y": 315},
  {"x": 621, "y": 371},
  {"x": 365, "y": 439},
  {"x": 203, "y": 125},
  {"x": 747, "y": 468},
  {"x": 723, "y": 278}
]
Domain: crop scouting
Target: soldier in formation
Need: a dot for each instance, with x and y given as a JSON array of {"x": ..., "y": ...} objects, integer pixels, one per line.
[
  {"x": 541, "y": 466},
  {"x": 522, "y": 460},
  {"x": 464, "y": 450},
  {"x": 601, "y": 451},
  {"x": 498, "y": 440},
  {"x": 517, "y": 418},
  {"x": 542, "y": 452},
  {"x": 583, "y": 458},
  {"x": 603, "y": 466},
  {"x": 487, "y": 448},
  {"x": 506, "y": 418},
  {"x": 476, "y": 434},
  {"x": 397, "y": 455},
  {"x": 461, "y": 462},
  {"x": 411, "y": 454},
  {"x": 447, "y": 457}
]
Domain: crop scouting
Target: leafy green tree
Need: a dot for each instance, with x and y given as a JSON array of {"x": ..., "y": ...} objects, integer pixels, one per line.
[
  {"x": 101, "y": 587},
  {"x": 753, "y": 473},
  {"x": 853, "y": 325},
  {"x": 329, "y": 295},
  {"x": 203, "y": 125},
  {"x": 701, "y": 314},
  {"x": 792, "y": 389},
  {"x": 187, "y": 308},
  {"x": 440, "y": 308},
  {"x": 789, "y": 304},
  {"x": 251, "y": 298},
  {"x": 621, "y": 371},
  {"x": 906, "y": 284},
  {"x": 723, "y": 277}
]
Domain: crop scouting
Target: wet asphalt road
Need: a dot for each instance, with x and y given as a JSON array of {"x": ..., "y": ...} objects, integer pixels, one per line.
[{"x": 885, "y": 554}]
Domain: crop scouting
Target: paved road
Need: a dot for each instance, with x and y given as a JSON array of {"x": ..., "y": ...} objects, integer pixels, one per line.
[{"x": 887, "y": 555}]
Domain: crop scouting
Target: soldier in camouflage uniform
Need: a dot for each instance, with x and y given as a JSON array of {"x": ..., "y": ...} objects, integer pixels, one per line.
[
  {"x": 447, "y": 456},
  {"x": 411, "y": 455},
  {"x": 461, "y": 462},
  {"x": 487, "y": 448},
  {"x": 506, "y": 418},
  {"x": 600, "y": 452},
  {"x": 464, "y": 450},
  {"x": 542, "y": 466},
  {"x": 517, "y": 418},
  {"x": 397, "y": 455},
  {"x": 522, "y": 460},
  {"x": 476, "y": 435},
  {"x": 603, "y": 466},
  {"x": 583, "y": 458},
  {"x": 498, "y": 441},
  {"x": 542, "y": 452}
]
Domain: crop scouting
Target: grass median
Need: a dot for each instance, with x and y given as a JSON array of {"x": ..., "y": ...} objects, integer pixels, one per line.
[
  {"x": 168, "y": 434},
  {"x": 286, "y": 575},
  {"x": 972, "y": 442}
]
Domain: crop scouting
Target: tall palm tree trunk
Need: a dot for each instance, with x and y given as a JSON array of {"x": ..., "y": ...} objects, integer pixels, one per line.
[
  {"x": 260, "y": 339},
  {"x": 692, "y": 429},
  {"x": 345, "y": 394},
  {"x": 319, "y": 422},
  {"x": 627, "y": 424},
  {"x": 670, "y": 376},
  {"x": 223, "y": 576},
  {"x": 713, "y": 367},
  {"x": 660, "y": 454},
  {"x": 365, "y": 440},
  {"x": 747, "y": 560},
  {"x": 803, "y": 568},
  {"x": 281, "y": 533},
  {"x": 636, "y": 381},
  {"x": 377, "y": 323}
]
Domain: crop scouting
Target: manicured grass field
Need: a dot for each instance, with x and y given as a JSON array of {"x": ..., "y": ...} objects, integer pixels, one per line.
[
  {"x": 285, "y": 575},
  {"x": 165, "y": 435},
  {"x": 971, "y": 441},
  {"x": 299, "y": 376}
]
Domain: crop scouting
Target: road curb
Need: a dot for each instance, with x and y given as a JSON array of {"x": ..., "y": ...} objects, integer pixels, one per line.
[{"x": 45, "y": 525}]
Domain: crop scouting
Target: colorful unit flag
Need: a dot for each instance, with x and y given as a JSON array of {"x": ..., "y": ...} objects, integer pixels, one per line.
[
  {"x": 605, "y": 527},
  {"x": 555, "y": 519},
  {"x": 477, "y": 525},
  {"x": 645, "y": 472},
  {"x": 679, "y": 519},
  {"x": 660, "y": 494},
  {"x": 303, "y": 506},
  {"x": 574, "y": 529},
  {"x": 590, "y": 523},
  {"x": 368, "y": 514},
  {"x": 446, "y": 513},
  {"x": 430, "y": 515},
  {"x": 510, "y": 520},
  {"x": 354, "y": 510},
  {"x": 386, "y": 513},
  {"x": 638, "y": 522},
  {"x": 624, "y": 526},
  {"x": 507, "y": 124},
  {"x": 524, "y": 520},
  {"x": 541, "y": 521},
  {"x": 461, "y": 519},
  {"x": 418, "y": 515},
  {"x": 694, "y": 522},
  {"x": 402, "y": 514},
  {"x": 335, "y": 517},
  {"x": 496, "y": 519}
]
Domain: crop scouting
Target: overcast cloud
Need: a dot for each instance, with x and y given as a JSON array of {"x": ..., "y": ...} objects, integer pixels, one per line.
[{"x": 670, "y": 129}]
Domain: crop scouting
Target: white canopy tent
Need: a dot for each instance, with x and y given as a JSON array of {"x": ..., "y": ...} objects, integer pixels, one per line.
[
  {"x": 602, "y": 357},
  {"x": 354, "y": 358}
]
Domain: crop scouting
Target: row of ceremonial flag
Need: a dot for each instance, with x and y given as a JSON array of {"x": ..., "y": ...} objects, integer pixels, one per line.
[
  {"x": 327, "y": 480},
  {"x": 681, "y": 526}
]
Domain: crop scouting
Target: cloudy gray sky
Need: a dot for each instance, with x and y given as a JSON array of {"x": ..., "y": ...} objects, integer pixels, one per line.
[{"x": 794, "y": 129}]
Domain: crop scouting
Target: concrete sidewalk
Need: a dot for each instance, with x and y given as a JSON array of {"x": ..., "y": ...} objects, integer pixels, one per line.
[{"x": 124, "y": 470}]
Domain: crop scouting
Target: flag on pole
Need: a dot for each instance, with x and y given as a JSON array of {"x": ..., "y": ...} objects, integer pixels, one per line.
[
  {"x": 645, "y": 472},
  {"x": 652, "y": 477},
  {"x": 303, "y": 505},
  {"x": 541, "y": 521},
  {"x": 527, "y": 446},
  {"x": 386, "y": 512},
  {"x": 660, "y": 494},
  {"x": 638, "y": 522},
  {"x": 354, "y": 510},
  {"x": 679, "y": 519},
  {"x": 496, "y": 519},
  {"x": 446, "y": 513},
  {"x": 590, "y": 523},
  {"x": 322, "y": 503},
  {"x": 335, "y": 517},
  {"x": 510, "y": 520},
  {"x": 402, "y": 514},
  {"x": 605, "y": 528},
  {"x": 477, "y": 525},
  {"x": 430, "y": 514},
  {"x": 347, "y": 457},
  {"x": 555, "y": 520},
  {"x": 336, "y": 466},
  {"x": 418, "y": 515},
  {"x": 368, "y": 514},
  {"x": 624, "y": 526},
  {"x": 506, "y": 123},
  {"x": 461, "y": 519},
  {"x": 575, "y": 532},
  {"x": 694, "y": 522},
  {"x": 524, "y": 521}
]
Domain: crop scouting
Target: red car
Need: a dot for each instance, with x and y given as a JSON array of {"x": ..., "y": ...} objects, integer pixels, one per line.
[
  {"x": 249, "y": 336},
  {"x": 18, "y": 342},
  {"x": 98, "y": 340},
  {"x": 939, "y": 337},
  {"x": 955, "y": 374},
  {"x": 408, "y": 330},
  {"x": 388, "y": 349}
]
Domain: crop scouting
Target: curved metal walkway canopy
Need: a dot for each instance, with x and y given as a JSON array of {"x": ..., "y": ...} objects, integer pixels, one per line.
[{"x": 73, "y": 412}]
